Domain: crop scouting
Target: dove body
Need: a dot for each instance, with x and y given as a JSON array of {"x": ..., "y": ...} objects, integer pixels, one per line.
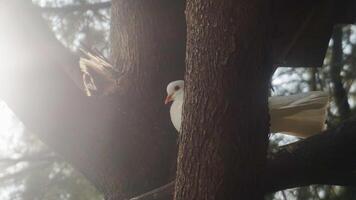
[{"x": 300, "y": 115}]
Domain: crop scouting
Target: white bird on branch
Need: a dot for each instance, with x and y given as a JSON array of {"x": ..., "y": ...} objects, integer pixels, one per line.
[{"x": 300, "y": 115}]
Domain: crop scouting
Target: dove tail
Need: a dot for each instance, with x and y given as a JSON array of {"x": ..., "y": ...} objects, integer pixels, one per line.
[{"x": 301, "y": 115}]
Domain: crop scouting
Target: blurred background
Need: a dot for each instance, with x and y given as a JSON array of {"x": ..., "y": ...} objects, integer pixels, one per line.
[{"x": 30, "y": 170}]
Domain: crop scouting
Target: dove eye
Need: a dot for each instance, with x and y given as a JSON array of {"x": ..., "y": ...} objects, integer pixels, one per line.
[{"x": 176, "y": 88}]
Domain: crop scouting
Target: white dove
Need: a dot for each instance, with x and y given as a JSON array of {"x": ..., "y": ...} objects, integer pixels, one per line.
[{"x": 300, "y": 115}]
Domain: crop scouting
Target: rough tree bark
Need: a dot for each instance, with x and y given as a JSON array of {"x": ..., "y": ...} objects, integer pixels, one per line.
[
  {"x": 222, "y": 148},
  {"x": 148, "y": 46}
]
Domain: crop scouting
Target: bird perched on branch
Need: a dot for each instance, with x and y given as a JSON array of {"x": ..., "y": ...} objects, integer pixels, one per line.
[{"x": 300, "y": 115}]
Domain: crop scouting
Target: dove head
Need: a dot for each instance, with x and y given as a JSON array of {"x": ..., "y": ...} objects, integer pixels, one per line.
[{"x": 175, "y": 91}]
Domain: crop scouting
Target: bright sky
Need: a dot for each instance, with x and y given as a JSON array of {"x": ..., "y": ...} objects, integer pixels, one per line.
[
  {"x": 11, "y": 130},
  {"x": 11, "y": 146}
]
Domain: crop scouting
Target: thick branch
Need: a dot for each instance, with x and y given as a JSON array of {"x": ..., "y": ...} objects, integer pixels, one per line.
[
  {"x": 74, "y": 8},
  {"x": 34, "y": 82},
  {"x": 300, "y": 25},
  {"x": 105, "y": 138},
  {"x": 327, "y": 158}
]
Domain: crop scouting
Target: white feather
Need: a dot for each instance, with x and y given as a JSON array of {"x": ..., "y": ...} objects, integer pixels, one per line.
[
  {"x": 176, "y": 113},
  {"x": 301, "y": 115}
]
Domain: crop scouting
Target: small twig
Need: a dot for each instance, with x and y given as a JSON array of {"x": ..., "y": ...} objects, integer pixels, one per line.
[{"x": 158, "y": 193}]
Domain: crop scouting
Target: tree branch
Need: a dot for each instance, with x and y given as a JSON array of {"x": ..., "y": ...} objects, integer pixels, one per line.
[
  {"x": 37, "y": 81},
  {"x": 327, "y": 158},
  {"x": 74, "y": 8},
  {"x": 95, "y": 134},
  {"x": 159, "y": 193}
]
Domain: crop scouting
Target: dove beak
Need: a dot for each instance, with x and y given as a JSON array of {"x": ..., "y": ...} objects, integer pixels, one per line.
[{"x": 168, "y": 99}]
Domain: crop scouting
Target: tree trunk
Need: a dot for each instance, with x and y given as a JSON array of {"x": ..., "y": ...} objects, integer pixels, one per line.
[
  {"x": 148, "y": 46},
  {"x": 340, "y": 95},
  {"x": 222, "y": 151}
]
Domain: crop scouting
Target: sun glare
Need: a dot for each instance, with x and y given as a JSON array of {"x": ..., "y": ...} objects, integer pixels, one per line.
[{"x": 11, "y": 130}]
